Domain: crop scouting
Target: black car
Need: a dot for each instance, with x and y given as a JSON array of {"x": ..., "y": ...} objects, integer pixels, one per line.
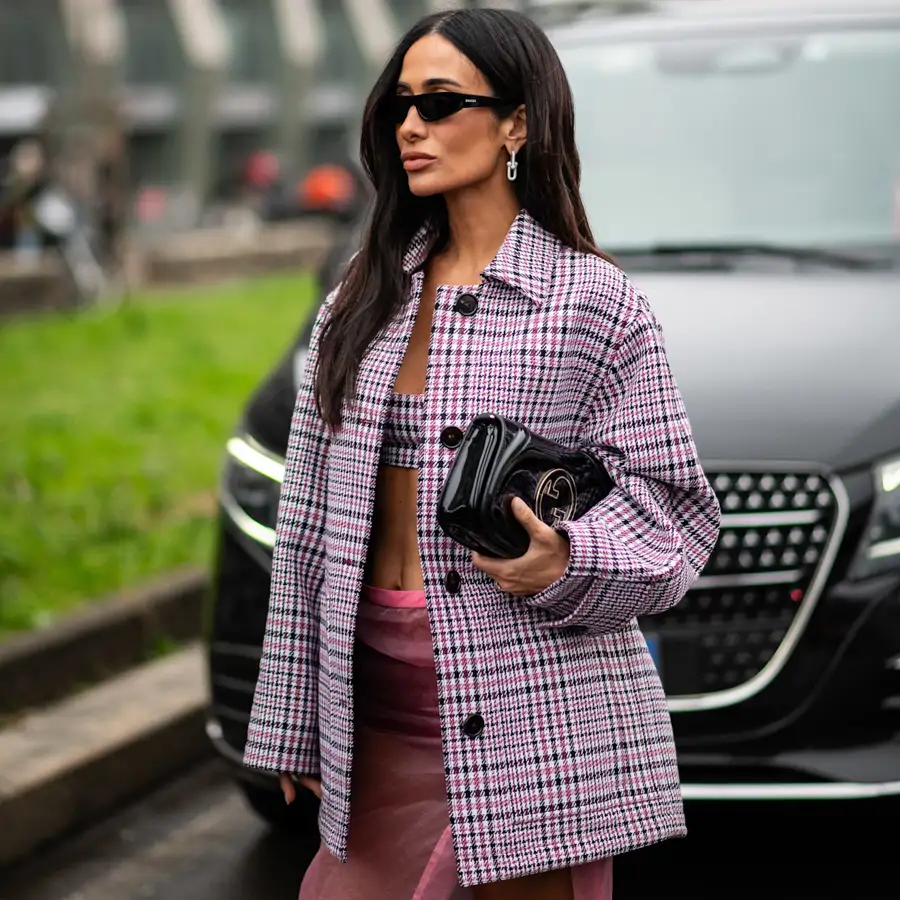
[{"x": 741, "y": 162}]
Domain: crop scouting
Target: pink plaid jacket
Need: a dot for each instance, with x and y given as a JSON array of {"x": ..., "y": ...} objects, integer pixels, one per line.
[{"x": 574, "y": 759}]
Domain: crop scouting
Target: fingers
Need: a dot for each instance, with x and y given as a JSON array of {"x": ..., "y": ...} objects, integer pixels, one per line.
[
  {"x": 290, "y": 791},
  {"x": 489, "y": 565},
  {"x": 526, "y": 516},
  {"x": 505, "y": 573},
  {"x": 539, "y": 533},
  {"x": 287, "y": 788},
  {"x": 314, "y": 784}
]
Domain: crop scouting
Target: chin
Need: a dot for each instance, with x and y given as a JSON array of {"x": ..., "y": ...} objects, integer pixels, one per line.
[{"x": 427, "y": 184}]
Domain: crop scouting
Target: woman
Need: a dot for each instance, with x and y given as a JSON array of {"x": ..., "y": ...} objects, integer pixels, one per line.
[{"x": 502, "y": 721}]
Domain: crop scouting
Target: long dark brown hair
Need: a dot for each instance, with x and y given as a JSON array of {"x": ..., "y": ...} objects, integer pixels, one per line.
[{"x": 521, "y": 66}]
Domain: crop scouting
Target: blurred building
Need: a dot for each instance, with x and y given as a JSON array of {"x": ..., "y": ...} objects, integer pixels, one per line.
[{"x": 197, "y": 86}]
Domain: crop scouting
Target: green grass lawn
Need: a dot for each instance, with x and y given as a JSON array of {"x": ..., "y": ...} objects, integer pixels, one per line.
[{"x": 112, "y": 429}]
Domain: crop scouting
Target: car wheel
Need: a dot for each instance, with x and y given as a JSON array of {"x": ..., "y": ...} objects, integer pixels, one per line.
[{"x": 300, "y": 817}]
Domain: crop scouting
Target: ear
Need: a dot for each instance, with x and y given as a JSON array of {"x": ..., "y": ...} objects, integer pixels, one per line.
[{"x": 516, "y": 129}]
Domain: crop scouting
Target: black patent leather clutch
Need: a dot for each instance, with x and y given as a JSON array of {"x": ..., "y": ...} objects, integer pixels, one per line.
[{"x": 499, "y": 459}]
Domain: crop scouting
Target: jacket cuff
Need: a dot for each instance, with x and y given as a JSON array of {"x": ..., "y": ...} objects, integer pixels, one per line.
[
  {"x": 564, "y": 596},
  {"x": 303, "y": 759}
]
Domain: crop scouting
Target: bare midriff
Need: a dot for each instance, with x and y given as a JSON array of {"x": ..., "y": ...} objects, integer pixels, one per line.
[
  {"x": 393, "y": 561},
  {"x": 393, "y": 556}
]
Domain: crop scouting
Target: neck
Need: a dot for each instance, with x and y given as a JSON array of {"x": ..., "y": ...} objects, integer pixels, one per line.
[{"x": 479, "y": 222}]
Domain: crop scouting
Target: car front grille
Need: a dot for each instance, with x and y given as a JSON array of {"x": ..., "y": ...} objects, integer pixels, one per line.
[
  {"x": 732, "y": 632},
  {"x": 234, "y": 669},
  {"x": 241, "y": 596}
]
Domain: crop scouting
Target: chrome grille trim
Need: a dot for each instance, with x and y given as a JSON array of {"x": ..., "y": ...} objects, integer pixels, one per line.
[
  {"x": 755, "y": 579},
  {"x": 747, "y": 689},
  {"x": 227, "y": 712},
  {"x": 229, "y": 649},
  {"x": 768, "y": 520},
  {"x": 240, "y": 685}
]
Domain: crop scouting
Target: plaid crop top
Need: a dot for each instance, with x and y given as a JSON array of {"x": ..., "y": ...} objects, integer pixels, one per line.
[{"x": 402, "y": 430}]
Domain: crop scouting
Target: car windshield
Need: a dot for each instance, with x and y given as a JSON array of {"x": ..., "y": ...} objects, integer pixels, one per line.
[{"x": 754, "y": 140}]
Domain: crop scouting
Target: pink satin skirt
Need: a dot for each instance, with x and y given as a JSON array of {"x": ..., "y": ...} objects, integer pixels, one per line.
[{"x": 399, "y": 843}]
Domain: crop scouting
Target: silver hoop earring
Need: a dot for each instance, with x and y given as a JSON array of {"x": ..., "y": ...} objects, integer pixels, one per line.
[{"x": 512, "y": 167}]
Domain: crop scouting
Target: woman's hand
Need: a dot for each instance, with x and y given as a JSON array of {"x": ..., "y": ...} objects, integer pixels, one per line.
[
  {"x": 544, "y": 562},
  {"x": 290, "y": 792}
]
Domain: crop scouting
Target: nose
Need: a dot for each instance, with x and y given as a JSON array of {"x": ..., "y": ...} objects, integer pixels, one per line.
[{"x": 412, "y": 127}]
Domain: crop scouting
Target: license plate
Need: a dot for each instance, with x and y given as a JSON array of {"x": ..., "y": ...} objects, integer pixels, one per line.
[{"x": 654, "y": 645}]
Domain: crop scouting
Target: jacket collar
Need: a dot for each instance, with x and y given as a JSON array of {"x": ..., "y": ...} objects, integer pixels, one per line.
[{"x": 526, "y": 259}]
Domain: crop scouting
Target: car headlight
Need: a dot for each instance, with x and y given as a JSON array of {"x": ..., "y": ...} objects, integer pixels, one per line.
[
  {"x": 880, "y": 550},
  {"x": 251, "y": 487}
]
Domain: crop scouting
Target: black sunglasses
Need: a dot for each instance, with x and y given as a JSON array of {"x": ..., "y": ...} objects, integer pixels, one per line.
[{"x": 432, "y": 107}]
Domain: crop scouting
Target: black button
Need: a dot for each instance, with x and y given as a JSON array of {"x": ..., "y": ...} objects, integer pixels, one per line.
[
  {"x": 466, "y": 304},
  {"x": 452, "y": 581},
  {"x": 473, "y": 726},
  {"x": 451, "y": 436}
]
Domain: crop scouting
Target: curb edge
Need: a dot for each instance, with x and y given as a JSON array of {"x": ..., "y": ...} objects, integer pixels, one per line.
[{"x": 101, "y": 640}]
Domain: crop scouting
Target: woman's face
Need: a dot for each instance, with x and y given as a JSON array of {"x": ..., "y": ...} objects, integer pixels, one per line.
[{"x": 466, "y": 149}]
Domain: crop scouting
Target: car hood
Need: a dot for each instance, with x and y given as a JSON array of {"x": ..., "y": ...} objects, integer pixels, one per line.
[{"x": 784, "y": 368}]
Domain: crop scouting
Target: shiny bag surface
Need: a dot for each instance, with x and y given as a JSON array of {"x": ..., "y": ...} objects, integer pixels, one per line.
[{"x": 499, "y": 459}]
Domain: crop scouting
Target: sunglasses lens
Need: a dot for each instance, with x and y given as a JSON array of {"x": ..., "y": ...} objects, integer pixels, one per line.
[
  {"x": 397, "y": 108},
  {"x": 438, "y": 106},
  {"x": 431, "y": 107}
]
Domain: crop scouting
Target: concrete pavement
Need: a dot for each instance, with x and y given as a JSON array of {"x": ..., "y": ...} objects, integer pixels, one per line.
[
  {"x": 65, "y": 765},
  {"x": 195, "y": 839}
]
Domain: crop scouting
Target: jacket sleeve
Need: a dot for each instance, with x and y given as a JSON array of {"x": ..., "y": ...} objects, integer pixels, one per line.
[
  {"x": 640, "y": 549},
  {"x": 283, "y": 734}
]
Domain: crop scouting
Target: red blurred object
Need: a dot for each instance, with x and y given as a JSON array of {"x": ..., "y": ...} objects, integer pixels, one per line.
[
  {"x": 151, "y": 204},
  {"x": 796, "y": 595},
  {"x": 327, "y": 187},
  {"x": 262, "y": 169}
]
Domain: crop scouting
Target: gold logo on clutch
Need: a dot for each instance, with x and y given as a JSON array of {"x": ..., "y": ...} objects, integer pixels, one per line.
[{"x": 555, "y": 496}]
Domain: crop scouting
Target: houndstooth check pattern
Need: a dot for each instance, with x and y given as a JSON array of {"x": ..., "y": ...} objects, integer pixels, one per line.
[
  {"x": 401, "y": 439},
  {"x": 576, "y": 760}
]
